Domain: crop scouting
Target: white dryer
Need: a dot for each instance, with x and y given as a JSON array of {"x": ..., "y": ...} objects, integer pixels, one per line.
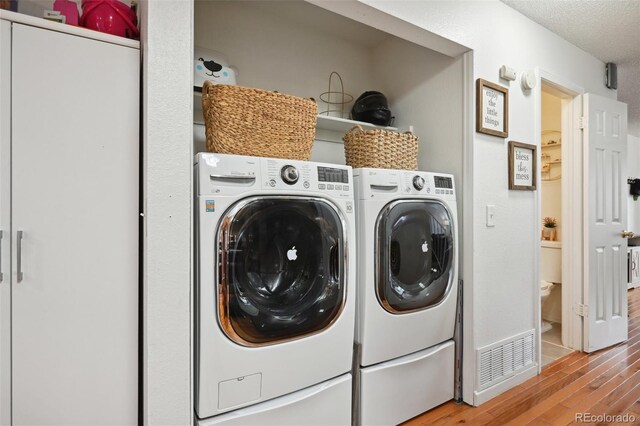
[
  {"x": 407, "y": 293},
  {"x": 275, "y": 295}
]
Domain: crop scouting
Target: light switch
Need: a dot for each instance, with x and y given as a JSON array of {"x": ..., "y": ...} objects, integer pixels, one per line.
[{"x": 491, "y": 215}]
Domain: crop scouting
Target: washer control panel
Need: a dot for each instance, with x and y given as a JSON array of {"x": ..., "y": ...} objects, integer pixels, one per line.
[
  {"x": 306, "y": 176},
  {"x": 289, "y": 174},
  {"x": 418, "y": 182},
  {"x": 443, "y": 184},
  {"x": 233, "y": 174},
  {"x": 332, "y": 174}
]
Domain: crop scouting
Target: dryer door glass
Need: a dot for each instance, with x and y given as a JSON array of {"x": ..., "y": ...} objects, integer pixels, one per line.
[
  {"x": 415, "y": 255},
  {"x": 281, "y": 269}
]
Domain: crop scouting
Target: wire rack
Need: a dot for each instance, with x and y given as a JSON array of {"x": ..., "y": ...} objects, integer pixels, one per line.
[{"x": 336, "y": 100}]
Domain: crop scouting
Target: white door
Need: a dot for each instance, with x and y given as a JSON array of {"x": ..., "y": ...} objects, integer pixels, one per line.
[
  {"x": 5, "y": 225},
  {"x": 74, "y": 196},
  {"x": 605, "y": 287}
]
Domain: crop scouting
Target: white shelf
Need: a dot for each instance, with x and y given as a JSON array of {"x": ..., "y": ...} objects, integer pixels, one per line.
[
  {"x": 329, "y": 129},
  {"x": 337, "y": 124},
  {"x": 325, "y": 122}
]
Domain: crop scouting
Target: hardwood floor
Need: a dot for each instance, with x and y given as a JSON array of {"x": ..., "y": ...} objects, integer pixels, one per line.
[{"x": 606, "y": 382}]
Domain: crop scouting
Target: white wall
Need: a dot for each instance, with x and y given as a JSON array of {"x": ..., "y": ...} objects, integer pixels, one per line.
[
  {"x": 424, "y": 88},
  {"x": 277, "y": 52},
  {"x": 500, "y": 291},
  {"x": 167, "y": 171},
  {"x": 280, "y": 50},
  {"x": 633, "y": 207}
]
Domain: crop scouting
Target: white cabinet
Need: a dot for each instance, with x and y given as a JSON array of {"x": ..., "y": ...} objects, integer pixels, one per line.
[
  {"x": 5, "y": 224},
  {"x": 69, "y": 179}
]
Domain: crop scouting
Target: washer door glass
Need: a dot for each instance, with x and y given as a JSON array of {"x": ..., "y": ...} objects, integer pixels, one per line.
[
  {"x": 415, "y": 255},
  {"x": 282, "y": 269}
]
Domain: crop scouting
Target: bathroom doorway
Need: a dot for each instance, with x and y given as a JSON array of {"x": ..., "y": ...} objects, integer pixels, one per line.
[
  {"x": 554, "y": 341},
  {"x": 589, "y": 227}
]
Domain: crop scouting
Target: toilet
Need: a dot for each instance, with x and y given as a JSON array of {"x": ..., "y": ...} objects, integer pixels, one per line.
[
  {"x": 551, "y": 272},
  {"x": 545, "y": 291}
]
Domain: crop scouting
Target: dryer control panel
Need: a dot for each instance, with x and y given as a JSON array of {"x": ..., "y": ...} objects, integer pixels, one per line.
[
  {"x": 389, "y": 184},
  {"x": 426, "y": 183},
  {"x": 234, "y": 174}
]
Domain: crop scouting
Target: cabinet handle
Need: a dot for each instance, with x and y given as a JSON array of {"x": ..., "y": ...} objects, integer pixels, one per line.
[
  {"x": 233, "y": 177},
  {"x": 1, "y": 275},
  {"x": 19, "y": 259}
]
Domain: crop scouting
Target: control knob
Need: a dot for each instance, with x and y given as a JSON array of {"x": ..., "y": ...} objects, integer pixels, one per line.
[
  {"x": 289, "y": 175},
  {"x": 418, "y": 182}
]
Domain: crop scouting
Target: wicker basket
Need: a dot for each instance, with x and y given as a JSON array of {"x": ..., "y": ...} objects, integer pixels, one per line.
[
  {"x": 247, "y": 121},
  {"x": 382, "y": 149}
]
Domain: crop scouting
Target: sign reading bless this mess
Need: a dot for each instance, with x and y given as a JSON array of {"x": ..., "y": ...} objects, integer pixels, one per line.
[
  {"x": 522, "y": 166},
  {"x": 493, "y": 109}
]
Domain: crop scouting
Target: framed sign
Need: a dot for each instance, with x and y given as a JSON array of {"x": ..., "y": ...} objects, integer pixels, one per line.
[
  {"x": 522, "y": 166},
  {"x": 492, "y": 108}
]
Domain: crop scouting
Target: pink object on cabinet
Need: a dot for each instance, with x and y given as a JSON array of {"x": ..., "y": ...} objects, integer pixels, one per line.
[
  {"x": 111, "y": 17},
  {"x": 69, "y": 9}
]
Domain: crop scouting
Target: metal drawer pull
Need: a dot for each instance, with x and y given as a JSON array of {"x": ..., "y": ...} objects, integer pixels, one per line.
[
  {"x": 233, "y": 177},
  {"x": 1, "y": 274},
  {"x": 384, "y": 187},
  {"x": 19, "y": 259}
]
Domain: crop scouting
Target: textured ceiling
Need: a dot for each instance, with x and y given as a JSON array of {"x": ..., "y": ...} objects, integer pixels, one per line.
[{"x": 608, "y": 29}]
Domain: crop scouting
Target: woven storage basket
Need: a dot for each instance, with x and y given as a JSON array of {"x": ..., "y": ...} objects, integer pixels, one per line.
[
  {"x": 382, "y": 149},
  {"x": 247, "y": 121}
]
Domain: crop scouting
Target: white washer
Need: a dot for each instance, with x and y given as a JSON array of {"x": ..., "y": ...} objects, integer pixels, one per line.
[
  {"x": 275, "y": 297},
  {"x": 407, "y": 293}
]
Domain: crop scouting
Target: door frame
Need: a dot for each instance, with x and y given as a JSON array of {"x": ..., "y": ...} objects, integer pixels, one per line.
[{"x": 572, "y": 213}]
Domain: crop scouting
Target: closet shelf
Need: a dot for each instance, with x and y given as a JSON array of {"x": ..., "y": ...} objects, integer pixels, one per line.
[
  {"x": 337, "y": 124},
  {"x": 330, "y": 129},
  {"x": 551, "y": 145}
]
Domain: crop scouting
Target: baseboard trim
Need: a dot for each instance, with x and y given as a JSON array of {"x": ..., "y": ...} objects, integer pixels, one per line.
[{"x": 480, "y": 398}]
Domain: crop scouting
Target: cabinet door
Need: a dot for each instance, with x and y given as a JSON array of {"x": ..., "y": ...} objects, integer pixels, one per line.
[
  {"x": 75, "y": 200},
  {"x": 5, "y": 225}
]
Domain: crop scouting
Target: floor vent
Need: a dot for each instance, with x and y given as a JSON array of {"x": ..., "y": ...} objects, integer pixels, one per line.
[{"x": 501, "y": 360}]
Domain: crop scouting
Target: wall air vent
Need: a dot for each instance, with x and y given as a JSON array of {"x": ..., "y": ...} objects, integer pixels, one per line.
[{"x": 501, "y": 360}]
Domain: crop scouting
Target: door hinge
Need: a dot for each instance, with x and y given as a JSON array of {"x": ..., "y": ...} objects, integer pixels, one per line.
[
  {"x": 581, "y": 309},
  {"x": 582, "y": 122}
]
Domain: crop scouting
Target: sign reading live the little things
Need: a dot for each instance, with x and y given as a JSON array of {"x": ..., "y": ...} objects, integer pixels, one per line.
[
  {"x": 522, "y": 166},
  {"x": 492, "y": 108}
]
